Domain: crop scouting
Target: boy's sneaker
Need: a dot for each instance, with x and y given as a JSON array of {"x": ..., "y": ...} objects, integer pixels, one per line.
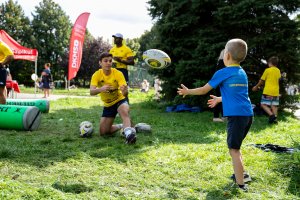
[
  {"x": 273, "y": 119},
  {"x": 243, "y": 188},
  {"x": 247, "y": 177}
]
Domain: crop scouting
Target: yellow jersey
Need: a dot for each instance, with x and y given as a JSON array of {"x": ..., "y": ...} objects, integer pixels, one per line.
[
  {"x": 115, "y": 79},
  {"x": 271, "y": 77},
  {"x": 4, "y": 51},
  {"x": 123, "y": 52}
]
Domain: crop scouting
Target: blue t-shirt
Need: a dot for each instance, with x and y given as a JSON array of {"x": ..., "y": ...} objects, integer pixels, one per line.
[{"x": 233, "y": 83}]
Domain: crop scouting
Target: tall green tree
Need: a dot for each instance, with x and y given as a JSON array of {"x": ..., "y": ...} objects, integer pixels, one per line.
[
  {"x": 194, "y": 32},
  {"x": 90, "y": 58},
  {"x": 52, "y": 28},
  {"x": 17, "y": 25}
]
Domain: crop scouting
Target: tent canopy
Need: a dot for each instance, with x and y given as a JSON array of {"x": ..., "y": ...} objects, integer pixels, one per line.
[{"x": 20, "y": 52}]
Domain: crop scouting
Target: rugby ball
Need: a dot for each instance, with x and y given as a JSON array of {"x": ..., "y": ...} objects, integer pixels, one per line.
[
  {"x": 156, "y": 58},
  {"x": 86, "y": 129}
]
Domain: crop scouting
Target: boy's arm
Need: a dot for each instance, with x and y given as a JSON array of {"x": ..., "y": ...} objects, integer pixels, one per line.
[
  {"x": 214, "y": 101},
  {"x": 258, "y": 85},
  {"x": 94, "y": 90},
  {"x": 197, "y": 91}
]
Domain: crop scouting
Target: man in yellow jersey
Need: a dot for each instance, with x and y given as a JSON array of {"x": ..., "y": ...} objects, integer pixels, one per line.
[
  {"x": 270, "y": 98},
  {"x": 111, "y": 85},
  {"x": 6, "y": 56},
  {"x": 122, "y": 55}
]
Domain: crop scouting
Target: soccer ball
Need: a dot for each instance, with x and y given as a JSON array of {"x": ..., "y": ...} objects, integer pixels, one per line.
[
  {"x": 156, "y": 59},
  {"x": 86, "y": 129}
]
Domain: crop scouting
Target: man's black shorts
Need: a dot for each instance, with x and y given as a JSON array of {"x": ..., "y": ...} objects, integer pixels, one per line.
[
  {"x": 112, "y": 110},
  {"x": 125, "y": 73},
  {"x": 237, "y": 129},
  {"x": 3, "y": 75}
]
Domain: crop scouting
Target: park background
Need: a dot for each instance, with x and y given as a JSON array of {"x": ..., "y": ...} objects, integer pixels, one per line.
[{"x": 185, "y": 157}]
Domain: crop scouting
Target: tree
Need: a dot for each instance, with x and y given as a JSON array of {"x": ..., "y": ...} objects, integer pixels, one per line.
[
  {"x": 52, "y": 29},
  {"x": 14, "y": 22},
  {"x": 90, "y": 58},
  {"x": 194, "y": 32}
]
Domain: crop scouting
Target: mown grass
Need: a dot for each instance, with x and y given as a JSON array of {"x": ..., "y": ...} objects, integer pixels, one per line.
[{"x": 185, "y": 157}]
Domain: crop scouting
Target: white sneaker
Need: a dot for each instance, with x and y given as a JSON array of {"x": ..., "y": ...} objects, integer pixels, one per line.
[
  {"x": 142, "y": 127},
  {"x": 218, "y": 120}
]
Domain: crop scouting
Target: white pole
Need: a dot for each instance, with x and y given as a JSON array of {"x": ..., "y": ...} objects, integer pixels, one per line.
[{"x": 35, "y": 71}]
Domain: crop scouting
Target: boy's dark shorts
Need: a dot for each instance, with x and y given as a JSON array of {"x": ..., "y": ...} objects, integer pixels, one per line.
[
  {"x": 3, "y": 75},
  {"x": 237, "y": 129},
  {"x": 112, "y": 111}
]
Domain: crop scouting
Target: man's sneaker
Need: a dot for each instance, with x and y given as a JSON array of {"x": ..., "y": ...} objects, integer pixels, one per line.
[
  {"x": 131, "y": 138},
  {"x": 142, "y": 128},
  {"x": 247, "y": 177},
  {"x": 218, "y": 120}
]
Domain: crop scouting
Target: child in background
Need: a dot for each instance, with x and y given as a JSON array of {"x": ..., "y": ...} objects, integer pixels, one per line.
[{"x": 270, "y": 98}]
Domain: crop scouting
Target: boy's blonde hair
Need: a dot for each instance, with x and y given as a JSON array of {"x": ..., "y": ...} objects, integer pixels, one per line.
[{"x": 237, "y": 49}]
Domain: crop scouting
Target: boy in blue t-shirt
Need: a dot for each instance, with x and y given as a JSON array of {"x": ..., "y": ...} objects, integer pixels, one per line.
[{"x": 233, "y": 83}]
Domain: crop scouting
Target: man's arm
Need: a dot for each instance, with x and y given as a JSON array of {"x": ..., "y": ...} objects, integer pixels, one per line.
[
  {"x": 197, "y": 91},
  {"x": 128, "y": 61}
]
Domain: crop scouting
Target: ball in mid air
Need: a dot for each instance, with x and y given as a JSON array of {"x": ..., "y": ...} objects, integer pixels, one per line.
[{"x": 156, "y": 58}]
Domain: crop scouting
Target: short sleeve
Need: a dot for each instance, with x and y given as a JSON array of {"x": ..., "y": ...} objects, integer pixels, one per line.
[
  {"x": 120, "y": 78},
  {"x": 94, "y": 79},
  {"x": 217, "y": 79},
  {"x": 129, "y": 52},
  {"x": 264, "y": 76}
]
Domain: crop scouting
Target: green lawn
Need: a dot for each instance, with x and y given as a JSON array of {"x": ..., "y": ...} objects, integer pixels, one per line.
[{"x": 185, "y": 157}]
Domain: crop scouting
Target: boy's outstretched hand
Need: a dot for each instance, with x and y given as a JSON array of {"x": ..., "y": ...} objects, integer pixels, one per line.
[
  {"x": 182, "y": 91},
  {"x": 124, "y": 89},
  {"x": 213, "y": 101}
]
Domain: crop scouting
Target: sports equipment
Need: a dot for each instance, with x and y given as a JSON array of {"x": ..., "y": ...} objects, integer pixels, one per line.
[
  {"x": 42, "y": 104},
  {"x": 156, "y": 59},
  {"x": 86, "y": 129},
  {"x": 142, "y": 128},
  {"x": 20, "y": 117}
]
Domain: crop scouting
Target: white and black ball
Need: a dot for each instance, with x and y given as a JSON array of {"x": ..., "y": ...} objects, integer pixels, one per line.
[{"x": 86, "y": 129}]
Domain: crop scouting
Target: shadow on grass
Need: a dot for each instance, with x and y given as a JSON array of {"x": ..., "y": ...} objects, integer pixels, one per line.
[
  {"x": 75, "y": 188},
  {"x": 57, "y": 138},
  {"x": 289, "y": 166}
]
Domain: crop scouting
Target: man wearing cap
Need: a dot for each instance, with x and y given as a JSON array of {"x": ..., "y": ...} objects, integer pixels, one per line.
[
  {"x": 122, "y": 55},
  {"x": 6, "y": 55}
]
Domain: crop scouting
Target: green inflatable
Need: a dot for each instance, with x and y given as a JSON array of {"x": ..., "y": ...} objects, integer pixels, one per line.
[
  {"x": 42, "y": 104},
  {"x": 20, "y": 117}
]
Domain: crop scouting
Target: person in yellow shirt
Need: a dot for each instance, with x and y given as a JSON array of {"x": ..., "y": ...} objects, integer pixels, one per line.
[
  {"x": 111, "y": 85},
  {"x": 6, "y": 56},
  {"x": 270, "y": 98},
  {"x": 122, "y": 55}
]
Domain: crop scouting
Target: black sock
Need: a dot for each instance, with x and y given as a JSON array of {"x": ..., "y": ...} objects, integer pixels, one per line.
[{"x": 241, "y": 186}]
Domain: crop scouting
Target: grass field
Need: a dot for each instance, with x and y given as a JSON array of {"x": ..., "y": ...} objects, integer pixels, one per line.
[{"x": 185, "y": 157}]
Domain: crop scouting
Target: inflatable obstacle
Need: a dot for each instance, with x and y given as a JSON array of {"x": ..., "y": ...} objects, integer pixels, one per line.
[
  {"x": 19, "y": 117},
  {"x": 42, "y": 104}
]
